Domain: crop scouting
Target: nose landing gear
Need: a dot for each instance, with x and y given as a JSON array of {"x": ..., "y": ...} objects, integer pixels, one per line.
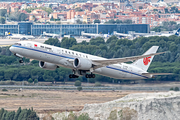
[{"x": 21, "y": 61}]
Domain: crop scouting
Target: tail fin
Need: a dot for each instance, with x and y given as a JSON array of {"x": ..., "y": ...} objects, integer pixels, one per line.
[
  {"x": 177, "y": 32},
  {"x": 145, "y": 62},
  {"x": 8, "y": 33}
]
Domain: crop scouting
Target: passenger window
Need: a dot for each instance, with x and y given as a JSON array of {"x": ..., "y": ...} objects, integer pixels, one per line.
[
  {"x": 65, "y": 51},
  {"x": 73, "y": 53},
  {"x": 86, "y": 56},
  {"x": 69, "y": 52}
]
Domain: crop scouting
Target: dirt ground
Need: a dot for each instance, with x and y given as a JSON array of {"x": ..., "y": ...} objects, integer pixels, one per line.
[{"x": 44, "y": 101}]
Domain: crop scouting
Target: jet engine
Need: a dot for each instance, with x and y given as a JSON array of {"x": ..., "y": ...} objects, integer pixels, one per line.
[
  {"x": 82, "y": 64},
  {"x": 47, "y": 66}
]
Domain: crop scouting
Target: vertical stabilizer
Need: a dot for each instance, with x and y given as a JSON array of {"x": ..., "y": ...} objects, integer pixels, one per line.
[
  {"x": 145, "y": 62},
  {"x": 177, "y": 32}
]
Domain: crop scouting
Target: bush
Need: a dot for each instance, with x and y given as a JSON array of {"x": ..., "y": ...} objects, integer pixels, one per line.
[
  {"x": 4, "y": 89},
  {"x": 30, "y": 80},
  {"x": 35, "y": 81},
  {"x": 72, "y": 116},
  {"x": 171, "y": 88},
  {"x": 176, "y": 89},
  {"x": 79, "y": 88},
  {"x": 77, "y": 83},
  {"x": 97, "y": 84}
]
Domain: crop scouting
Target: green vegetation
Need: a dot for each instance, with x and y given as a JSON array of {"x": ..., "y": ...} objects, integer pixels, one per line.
[
  {"x": 97, "y": 84},
  {"x": 2, "y": 20},
  {"x": 112, "y": 21},
  {"x": 79, "y": 88},
  {"x": 24, "y": 114},
  {"x": 11, "y": 69},
  {"x": 30, "y": 80},
  {"x": 17, "y": 16},
  {"x": 47, "y": 9},
  {"x": 77, "y": 83},
  {"x": 72, "y": 116},
  {"x": 166, "y": 26},
  {"x": 113, "y": 115},
  {"x": 97, "y": 21},
  {"x": 171, "y": 89},
  {"x": 176, "y": 89},
  {"x": 127, "y": 114},
  {"x": 4, "y": 89}
]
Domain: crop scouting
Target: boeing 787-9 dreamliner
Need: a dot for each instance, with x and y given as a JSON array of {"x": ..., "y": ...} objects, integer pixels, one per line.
[{"x": 51, "y": 57}]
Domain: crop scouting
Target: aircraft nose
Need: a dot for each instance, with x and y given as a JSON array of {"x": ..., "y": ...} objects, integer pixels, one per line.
[{"x": 11, "y": 49}]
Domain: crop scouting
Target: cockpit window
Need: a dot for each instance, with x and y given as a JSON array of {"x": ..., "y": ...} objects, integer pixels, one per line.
[{"x": 17, "y": 43}]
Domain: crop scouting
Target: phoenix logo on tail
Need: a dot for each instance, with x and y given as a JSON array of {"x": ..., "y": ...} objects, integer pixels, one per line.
[{"x": 146, "y": 60}]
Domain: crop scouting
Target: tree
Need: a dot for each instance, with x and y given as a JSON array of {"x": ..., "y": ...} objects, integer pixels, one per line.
[
  {"x": 24, "y": 74},
  {"x": 8, "y": 74},
  {"x": 23, "y": 115},
  {"x": 35, "y": 81},
  {"x": 3, "y": 12},
  {"x": 52, "y": 19},
  {"x": 176, "y": 89},
  {"x": 118, "y": 21},
  {"x": 77, "y": 83},
  {"x": 78, "y": 9},
  {"x": 97, "y": 21},
  {"x": 22, "y": 17},
  {"x": 17, "y": 113},
  {"x": 79, "y": 88},
  {"x": 53, "y": 41},
  {"x": 128, "y": 21},
  {"x": 1, "y": 112},
  {"x": 171, "y": 88},
  {"x": 166, "y": 10},
  {"x": 140, "y": 7},
  {"x": 97, "y": 41},
  {"x": 68, "y": 42},
  {"x": 78, "y": 21},
  {"x": 10, "y": 115},
  {"x": 111, "y": 21},
  {"x": 30, "y": 80},
  {"x": 14, "y": 16},
  {"x": 2, "y": 20}
]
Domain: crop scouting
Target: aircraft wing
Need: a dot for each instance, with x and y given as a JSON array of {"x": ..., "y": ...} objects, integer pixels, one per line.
[
  {"x": 106, "y": 62},
  {"x": 146, "y": 74}
]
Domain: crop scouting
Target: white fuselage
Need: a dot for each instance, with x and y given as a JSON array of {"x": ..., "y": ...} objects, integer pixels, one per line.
[
  {"x": 19, "y": 36},
  {"x": 63, "y": 57}
]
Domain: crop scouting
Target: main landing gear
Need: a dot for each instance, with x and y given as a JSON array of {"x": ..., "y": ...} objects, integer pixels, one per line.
[
  {"x": 87, "y": 76},
  {"x": 73, "y": 76},
  {"x": 90, "y": 75}
]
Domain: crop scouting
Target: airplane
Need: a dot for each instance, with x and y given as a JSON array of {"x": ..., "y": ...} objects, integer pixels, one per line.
[
  {"x": 51, "y": 57},
  {"x": 51, "y": 35},
  {"x": 18, "y": 36},
  {"x": 165, "y": 33}
]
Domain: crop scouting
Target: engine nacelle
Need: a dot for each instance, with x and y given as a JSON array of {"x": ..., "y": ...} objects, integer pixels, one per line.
[
  {"x": 47, "y": 66},
  {"x": 82, "y": 64}
]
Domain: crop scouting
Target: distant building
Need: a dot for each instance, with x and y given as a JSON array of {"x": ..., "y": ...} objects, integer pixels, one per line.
[{"x": 71, "y": 29}]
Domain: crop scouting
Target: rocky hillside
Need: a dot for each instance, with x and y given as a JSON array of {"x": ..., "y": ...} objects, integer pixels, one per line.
[{"x": 139, "y": 106}]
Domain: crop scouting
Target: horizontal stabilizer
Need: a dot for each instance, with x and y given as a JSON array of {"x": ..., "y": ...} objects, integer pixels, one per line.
[{"x": 147, "y": 74}]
